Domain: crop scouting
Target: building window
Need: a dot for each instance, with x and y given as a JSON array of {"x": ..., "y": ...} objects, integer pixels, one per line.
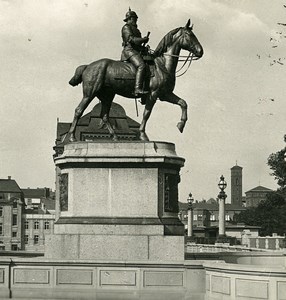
[
  {"x": 29, "y": 201},
  {"x": 36, "y": 239},
  {"x": 26, "y": 239},
  {"x": 26, "y": 224},
  {"x": 1, "y": 228},
  {"x": 227, "y": 217},
  {"x": 36, "y": 225},
  {"x": 14, "y": 247},
  {"x": 1, "y": 211},
  {"x": 14, "y": 234},
  {"x": 195, "y": 217},
  {"x": 14, "y": 220},
  {"x": 47, "y": 225},
  {"x": 212, "y": 217},
  {"x": 200, "y": 217},
  {"x": 15, "y": 203}
]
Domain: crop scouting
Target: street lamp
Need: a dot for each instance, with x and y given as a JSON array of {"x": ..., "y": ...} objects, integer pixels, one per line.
[
  {"x": 190, "y": 214},
  {"x": 222, "y": 196}
]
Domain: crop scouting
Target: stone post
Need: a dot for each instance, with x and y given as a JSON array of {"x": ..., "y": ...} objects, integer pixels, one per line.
[
  {"x": 222, "y": 196},
  {"x": 190, "y": 222},
  {"x": 221, "y": 230}
]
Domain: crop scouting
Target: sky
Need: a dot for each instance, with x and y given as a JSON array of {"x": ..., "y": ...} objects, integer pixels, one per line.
[{"x": 235, "y": 92}]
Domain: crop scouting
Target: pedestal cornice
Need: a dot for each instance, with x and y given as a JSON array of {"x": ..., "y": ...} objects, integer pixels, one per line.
[{"x": 120, "y": 153}]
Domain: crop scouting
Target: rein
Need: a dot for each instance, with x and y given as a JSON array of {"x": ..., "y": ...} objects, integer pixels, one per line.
[{"x": 190, "y": 57}]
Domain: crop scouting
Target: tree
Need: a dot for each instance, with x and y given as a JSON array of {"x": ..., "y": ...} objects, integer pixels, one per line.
[
  {"x": 276, "y": 162},
  {"x": 270, "y": 215}
]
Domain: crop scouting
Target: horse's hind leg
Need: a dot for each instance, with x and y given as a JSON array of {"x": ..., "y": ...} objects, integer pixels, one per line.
[
  {"x": 77, "y": 114},
  {"x": 88, "y": 95},
  {"x": 172, "y": 98},
  {"x": 106, "y": 101}
]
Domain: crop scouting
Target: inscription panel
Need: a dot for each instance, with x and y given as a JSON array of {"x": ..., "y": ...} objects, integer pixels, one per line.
[
  {"x": 74, "y": 276},
  {"x": 281, "y": 287},
  {"x": 32, "y": 276},
  {"x": 117, "y": 277},
  {"x": 161, "y": 278},
  {"x": 220, "y": 284},
  {"x": 251, "y": 289}
]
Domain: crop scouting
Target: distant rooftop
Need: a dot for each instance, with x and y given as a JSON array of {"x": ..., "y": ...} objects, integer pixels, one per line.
[
  {"x": 259, "y": 189},
  {"x": 9, "y": 186},
  {"x": 36, "y": 193}
]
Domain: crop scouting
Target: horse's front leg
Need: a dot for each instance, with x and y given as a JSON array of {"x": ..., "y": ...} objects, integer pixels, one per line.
[
  {"x": 172, "y": 98},
  {"x": 146, "y": 114}
]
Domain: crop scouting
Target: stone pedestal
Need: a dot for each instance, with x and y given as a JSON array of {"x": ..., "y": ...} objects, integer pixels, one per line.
[{"x": 118, "y": 200}]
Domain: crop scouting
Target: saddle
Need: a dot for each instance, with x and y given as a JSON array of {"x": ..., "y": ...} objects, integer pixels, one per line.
[{"x": 150, "y": 69}]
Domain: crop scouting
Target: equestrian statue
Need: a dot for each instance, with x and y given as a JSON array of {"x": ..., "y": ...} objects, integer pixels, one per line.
[{"x": 139, "y": 74}]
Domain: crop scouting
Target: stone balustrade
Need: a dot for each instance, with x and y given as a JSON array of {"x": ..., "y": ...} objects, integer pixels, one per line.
[{"x": 35, "y": 278}]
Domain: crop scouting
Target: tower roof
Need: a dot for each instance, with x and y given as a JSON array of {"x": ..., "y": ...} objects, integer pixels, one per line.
[{"x": 236, "y": 167}]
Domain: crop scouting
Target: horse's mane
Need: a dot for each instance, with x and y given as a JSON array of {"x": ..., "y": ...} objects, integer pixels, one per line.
[{"x": 165, "y": 42}]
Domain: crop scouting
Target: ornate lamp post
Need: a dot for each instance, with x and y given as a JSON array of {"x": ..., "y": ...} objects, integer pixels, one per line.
[
  {"x": 222, "y": 196},
  {"x": 190, "y": 214}
]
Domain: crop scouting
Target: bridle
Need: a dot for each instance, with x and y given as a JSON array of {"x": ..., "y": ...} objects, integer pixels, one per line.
[{"x": 190, "y": 57}]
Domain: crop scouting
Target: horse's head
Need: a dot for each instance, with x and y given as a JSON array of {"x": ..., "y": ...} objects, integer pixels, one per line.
[{"x": 188, "y": 41}]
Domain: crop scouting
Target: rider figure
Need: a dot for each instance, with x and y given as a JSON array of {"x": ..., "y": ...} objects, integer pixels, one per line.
[{"x": 133, "y": 48}]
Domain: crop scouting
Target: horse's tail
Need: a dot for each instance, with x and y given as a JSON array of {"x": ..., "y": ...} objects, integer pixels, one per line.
[{"x": 77, "y": 78}]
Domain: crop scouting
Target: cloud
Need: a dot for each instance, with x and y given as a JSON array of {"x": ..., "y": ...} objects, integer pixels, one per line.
[{"x": 245, "y": 22}]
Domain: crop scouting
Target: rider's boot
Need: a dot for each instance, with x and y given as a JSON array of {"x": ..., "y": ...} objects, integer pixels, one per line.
[{"x": 139, "y": 91}]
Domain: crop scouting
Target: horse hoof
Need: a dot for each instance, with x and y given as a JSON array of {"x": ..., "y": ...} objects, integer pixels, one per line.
[
  {"x": 181, "y": 126},
  {"x": 72, "y": 139},
  {"x": 143, "y": 137},
  {"x": 115, "y": 138}
]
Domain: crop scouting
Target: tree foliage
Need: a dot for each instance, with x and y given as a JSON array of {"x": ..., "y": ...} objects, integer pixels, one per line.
[
  {"x": 276, "y": 162},
  {"x": 270, "y": 215}
]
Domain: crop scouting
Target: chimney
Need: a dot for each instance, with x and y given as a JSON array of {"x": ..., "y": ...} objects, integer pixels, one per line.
[{"x": 9, "y": 177}]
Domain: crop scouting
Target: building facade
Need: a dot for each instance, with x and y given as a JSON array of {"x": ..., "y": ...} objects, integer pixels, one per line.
[
  {"x": 23, "y": 226},
  {"x": 256, "y": 195},
  {"x": 11, "y": 211},
  {"x": 206, "y": 219},
  {"x": 36, "y": 226}
]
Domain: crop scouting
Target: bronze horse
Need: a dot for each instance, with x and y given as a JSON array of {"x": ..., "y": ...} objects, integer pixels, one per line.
[{"x": 105, "y": 78}]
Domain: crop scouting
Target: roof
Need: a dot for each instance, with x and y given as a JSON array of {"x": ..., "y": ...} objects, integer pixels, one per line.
[
  {"x": 36, "y": 193},
  {"x": 50, "y": 204},
  {"x": 236, "y": 167},
  {"x": 259, "y": 189},
  {"x": 36, "y": 211},
  {"x": 9, "y": 186}
]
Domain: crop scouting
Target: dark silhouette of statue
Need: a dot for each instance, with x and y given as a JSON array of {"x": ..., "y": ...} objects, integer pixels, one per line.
[
  {"x": 106, "y": 78},
  {"x": 133, "y": 49}
]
